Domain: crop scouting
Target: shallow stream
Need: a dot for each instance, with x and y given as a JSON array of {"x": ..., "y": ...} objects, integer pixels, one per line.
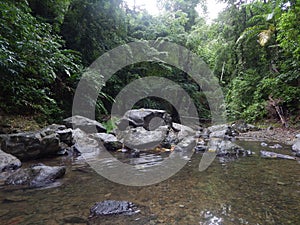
[{"x": 249, "y": 190}]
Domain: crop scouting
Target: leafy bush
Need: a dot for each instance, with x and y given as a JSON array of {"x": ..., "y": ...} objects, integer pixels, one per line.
[{"x": 32, "y": 60}]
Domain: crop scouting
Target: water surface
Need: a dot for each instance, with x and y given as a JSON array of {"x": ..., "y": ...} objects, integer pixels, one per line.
[{"x": 245, "y": 191}]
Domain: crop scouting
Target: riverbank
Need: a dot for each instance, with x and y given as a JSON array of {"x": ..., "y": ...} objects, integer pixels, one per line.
[
  {"x": 270, "y": 132},
  {"x": 281, "y": 135}
]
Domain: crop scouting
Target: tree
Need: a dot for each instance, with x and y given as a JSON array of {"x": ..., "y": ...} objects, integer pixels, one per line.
[
  {"x": 32, "y": 60},
  {"x": 93, "y": 27}
]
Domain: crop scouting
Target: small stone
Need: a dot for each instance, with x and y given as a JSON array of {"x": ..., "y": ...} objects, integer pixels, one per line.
[
  {"x": 263, "y": 144},
  {"x": 181, "y": 206}
]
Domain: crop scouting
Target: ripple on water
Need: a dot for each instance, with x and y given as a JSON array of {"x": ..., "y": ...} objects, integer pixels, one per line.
[{"x": 245, "y": 191}]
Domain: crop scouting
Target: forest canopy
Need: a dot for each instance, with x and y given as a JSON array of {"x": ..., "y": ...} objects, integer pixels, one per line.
[{"x": 253, "y": 48}]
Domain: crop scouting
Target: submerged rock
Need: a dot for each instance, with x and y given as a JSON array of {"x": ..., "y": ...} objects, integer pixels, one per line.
[
  {"x": 112, "y": 207},
  {"x": 8, "y": 162},
  {"x": 85, "y": 124},
  {"x": 273, "y": 155},
  {"x": 36, "y": 176}
]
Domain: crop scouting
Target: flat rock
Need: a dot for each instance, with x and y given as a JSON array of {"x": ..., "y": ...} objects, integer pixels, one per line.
[
  {"x": 36, "y": 176},
  {"x": 85, "y": 124}
]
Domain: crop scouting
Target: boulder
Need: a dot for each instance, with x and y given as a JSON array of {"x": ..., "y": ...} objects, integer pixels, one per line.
[
  {"x": 142, "y": 139},
  {"x": 296, "y": 145},
  {"x": 85, "y": 124},
  {"x": 66, "y": 136},
  {"x": 221, "y": 131},
  {"x": 109, "y": 141},
  {"x": 30, "y": 145},
  {"x": 8, "y": 162},
  {"x": 187, "y": 144},
  {"x": 64, "y": 133},
  {"x": 225, "y": 148},
  {"x": 149, "y": 119},
  {"x": 112, "y": 207},
  {"x": 273, "y": 155},
  {"x": 36, "y": 176},
  {"x": 171, "y": 139},
  {"x": 51, "y": 129},
  {"x": 183, "y": 131},
  {"x": 242, "y": 127},
  {"x": 86, "y": 145}
]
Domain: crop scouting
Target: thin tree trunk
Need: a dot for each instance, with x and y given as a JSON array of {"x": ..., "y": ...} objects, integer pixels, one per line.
[{"x": 279, "y": 110}]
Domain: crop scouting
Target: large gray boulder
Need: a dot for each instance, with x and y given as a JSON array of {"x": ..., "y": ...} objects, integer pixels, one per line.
[
  {"x": 36, "y": 176},
  {"x": 85, "y": 124},
  {"x": 8, "y": 162},
  {"x": 30, "y": 145},
  {"x": 142, "y": 139},
  {"x": 149, "y": 119}
]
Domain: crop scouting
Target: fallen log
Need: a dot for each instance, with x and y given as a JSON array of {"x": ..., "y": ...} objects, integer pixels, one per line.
[{"x": 273, "y": 155}]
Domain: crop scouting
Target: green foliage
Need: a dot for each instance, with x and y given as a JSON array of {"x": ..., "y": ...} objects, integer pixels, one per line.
[
  {"x": 50, "y": 11},
  {"x": 253, "y": 48},
  {"x": 110, "y": 124},
  {"x": 93, "y": 27},
  {"x": 32, "y": 60}
]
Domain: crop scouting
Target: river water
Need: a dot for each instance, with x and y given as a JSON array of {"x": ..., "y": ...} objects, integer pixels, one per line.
[{"x": 249, "y": 190}]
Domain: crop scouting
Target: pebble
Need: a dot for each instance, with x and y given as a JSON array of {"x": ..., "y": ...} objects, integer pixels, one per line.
[{"x": 263, "y": 144}]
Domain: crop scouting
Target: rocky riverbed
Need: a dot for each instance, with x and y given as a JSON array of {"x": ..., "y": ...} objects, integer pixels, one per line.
[{"x": 142, "y": 137}]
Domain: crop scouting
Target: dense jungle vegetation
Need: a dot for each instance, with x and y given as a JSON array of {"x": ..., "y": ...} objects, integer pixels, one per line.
[{"x": 253, "y": 48}]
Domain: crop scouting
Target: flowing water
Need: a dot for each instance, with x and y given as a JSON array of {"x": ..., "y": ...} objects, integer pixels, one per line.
[{"x": 245, "y": 191}]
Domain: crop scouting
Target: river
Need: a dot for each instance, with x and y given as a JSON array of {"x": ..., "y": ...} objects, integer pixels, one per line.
[{"x": 249, "y": 190}]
